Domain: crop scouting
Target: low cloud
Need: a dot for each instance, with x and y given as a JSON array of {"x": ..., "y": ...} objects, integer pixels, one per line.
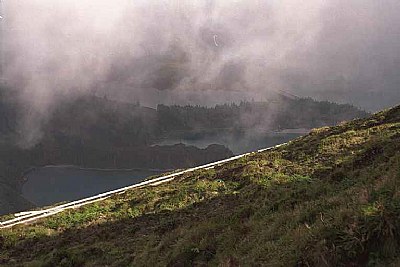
[{"x": 201, "y": 52}]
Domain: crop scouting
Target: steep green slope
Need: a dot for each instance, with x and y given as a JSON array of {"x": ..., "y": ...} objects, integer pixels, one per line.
[{"x": 331, "y": 198}]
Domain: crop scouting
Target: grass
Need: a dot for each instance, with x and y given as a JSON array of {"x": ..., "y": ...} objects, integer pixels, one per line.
[{"x": 331, "y": 198}]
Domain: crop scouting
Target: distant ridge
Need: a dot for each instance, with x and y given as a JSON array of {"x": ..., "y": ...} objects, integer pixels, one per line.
[{"x": 329, "y": 198}]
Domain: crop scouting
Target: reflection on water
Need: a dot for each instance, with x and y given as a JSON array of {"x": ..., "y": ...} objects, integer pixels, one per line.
[{"x": 53, "y": 184}]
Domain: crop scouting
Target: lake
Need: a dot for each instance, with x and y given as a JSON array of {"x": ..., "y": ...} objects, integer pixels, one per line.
[
  {"x": 53, "y": 184},
  {"x": 239, "y": 144}
]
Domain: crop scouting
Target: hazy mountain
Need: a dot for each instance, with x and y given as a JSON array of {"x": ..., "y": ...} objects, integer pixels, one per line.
[
  {"x": 329, "y": 198},
  {"x": 90, "y": 131}
]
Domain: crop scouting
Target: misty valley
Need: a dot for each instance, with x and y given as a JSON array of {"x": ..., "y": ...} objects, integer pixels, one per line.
[
  {"x": 200, "y": 133},
  {"x": 88, "y": 131}
]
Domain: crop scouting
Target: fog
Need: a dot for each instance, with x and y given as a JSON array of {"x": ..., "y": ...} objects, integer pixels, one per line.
[{"x": 200, "y": 52}]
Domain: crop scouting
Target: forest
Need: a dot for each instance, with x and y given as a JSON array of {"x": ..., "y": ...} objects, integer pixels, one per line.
[{"x": 92, "y": 131}]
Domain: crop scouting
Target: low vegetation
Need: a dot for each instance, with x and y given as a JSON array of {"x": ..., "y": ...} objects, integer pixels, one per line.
[
  {"x": 331, "y": 198},
  {"x": 96, "y": 132}
]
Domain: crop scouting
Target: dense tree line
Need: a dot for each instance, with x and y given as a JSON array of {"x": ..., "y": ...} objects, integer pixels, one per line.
[
  {"x": 91, "y": 131},
  {"x": 90, "y": 121},
  {"x": 281, "y": 113}
]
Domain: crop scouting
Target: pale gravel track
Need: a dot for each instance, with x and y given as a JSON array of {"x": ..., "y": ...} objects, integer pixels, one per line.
[{"x": 31, "y": 216}]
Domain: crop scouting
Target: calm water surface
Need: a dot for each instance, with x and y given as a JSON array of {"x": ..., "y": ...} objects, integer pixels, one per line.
[{"x": 53, "y": 184}]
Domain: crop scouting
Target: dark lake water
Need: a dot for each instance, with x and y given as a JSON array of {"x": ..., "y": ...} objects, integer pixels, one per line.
[
  {"x": 53, "y": 184},
  {"x": 237, "y": 144}
]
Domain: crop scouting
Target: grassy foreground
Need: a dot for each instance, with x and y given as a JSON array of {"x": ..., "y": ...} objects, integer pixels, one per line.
[{"x": 331, "y": 198}]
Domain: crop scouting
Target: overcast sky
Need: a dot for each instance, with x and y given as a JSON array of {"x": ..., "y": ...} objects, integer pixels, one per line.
[{"x": 203, "y": 52}]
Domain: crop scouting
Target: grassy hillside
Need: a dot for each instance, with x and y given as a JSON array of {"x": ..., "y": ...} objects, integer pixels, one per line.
[
  {"x": 331, "y": 198},
  {"x": 94, "y": 132}
]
